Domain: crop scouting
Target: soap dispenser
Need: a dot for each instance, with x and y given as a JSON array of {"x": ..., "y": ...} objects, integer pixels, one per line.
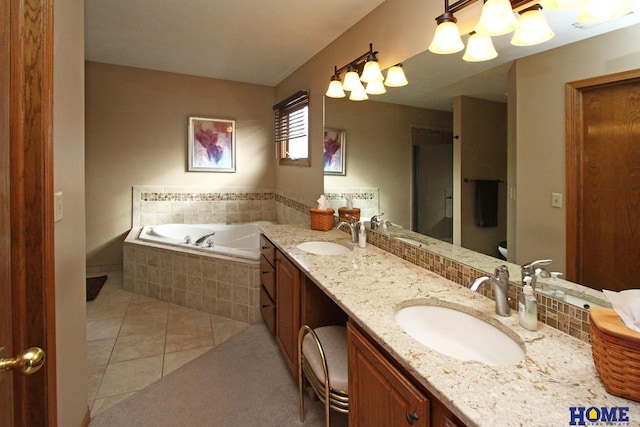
[
  {"x": 554, "y": 291},
  {"x": 362, "y": 236},
  {"x": 528, "y": 307}
]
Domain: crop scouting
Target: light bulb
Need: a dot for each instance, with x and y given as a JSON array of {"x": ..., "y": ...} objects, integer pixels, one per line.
[
  {"x": 594, "y": 11},
  {"x": 358, "y": 95},
  {"x": 396, "y": 77},
  {"x": 375, "y": 88},
  {"x": 532, "y": 29},
  {"x": 335, "y": 89},
  {"x": 446, "y": 39},
  {"x": 352, "y": 81},
  {"x": 496, "y": 19},
  {"x": 371, "y": 72},
  {"x": 479, "y": 48}
]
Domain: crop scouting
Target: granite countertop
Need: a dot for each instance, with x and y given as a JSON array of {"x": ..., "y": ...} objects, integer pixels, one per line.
[{"x": 370, "y": 285}]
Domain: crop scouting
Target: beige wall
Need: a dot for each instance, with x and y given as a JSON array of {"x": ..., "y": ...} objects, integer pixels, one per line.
[
  {"x": 136, "y": 123},
  {"x": 379, "y": 149},
  {"x": 68, "y": 157},
  {"x": 398, "y": 29},
  {"x": 480, "y": 153},
  {"x": 540, "y": 134}
]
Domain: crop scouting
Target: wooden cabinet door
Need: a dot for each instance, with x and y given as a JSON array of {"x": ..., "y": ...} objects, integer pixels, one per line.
[
  {"x": 379, "y": 395},
  {"x": 287, "y": 311}
]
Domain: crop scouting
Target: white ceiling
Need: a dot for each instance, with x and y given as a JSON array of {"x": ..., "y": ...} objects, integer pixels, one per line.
[
  {"x": 263, "y": 42},
  {"x": 250, "y": 41}
]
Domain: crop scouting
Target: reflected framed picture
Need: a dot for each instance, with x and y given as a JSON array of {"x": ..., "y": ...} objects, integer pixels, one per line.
[
  {"x": 334, "y": 152},
  {"x": 211, "y": 145}
]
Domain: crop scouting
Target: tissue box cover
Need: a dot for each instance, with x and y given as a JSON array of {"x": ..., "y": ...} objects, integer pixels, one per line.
[
  {"x": 616, "y": 353},
  {"x": 321, "y": 219}
]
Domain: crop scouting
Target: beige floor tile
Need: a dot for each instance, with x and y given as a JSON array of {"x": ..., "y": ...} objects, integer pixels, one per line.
[
  {"x": 130, "y": 376},
  {"x": 103, "y": 328},
  {"x": 99, "y": 351},
  {"x": 147, "y": 307},
  {"x": 173, "y": 361},
  {"x": 182, "y": 317},
  {"x": 143, "y": 324},
  {"x": 225, "y": 330},
  {"x": 95, "y": 378},
  {"x": 138, "y": 346},
  {"x": 100, "y": 405},
  {"x": 188, "y": 338},
  {"x": 105, "y": 309}
]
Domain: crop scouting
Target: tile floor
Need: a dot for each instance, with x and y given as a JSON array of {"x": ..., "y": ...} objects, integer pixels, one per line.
[{"x": 133, "y": 341}]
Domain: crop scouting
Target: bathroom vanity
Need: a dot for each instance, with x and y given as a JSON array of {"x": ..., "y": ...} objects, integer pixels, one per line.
[{"x": 395, "y": 379}]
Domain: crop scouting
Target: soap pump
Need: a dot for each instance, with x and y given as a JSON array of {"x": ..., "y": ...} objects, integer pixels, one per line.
[
  {"x": 554, "y": 291},
  {"x": 362, "y": 236},
  {"x": 528, "y": 307}
]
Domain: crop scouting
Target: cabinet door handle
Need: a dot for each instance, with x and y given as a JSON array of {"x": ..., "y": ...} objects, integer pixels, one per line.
[{"x": 411, "y": 418}]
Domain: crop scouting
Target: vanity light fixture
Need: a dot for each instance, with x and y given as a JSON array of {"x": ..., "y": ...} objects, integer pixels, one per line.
[
  {"x": 498, "y": 18},
  {"x": 364, "y": 68}
]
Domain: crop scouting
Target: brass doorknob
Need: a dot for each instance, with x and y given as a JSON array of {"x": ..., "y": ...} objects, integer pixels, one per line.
[{"x": 27, "y": 362}]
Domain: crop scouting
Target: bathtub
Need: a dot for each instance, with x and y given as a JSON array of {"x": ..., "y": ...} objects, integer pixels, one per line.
[
  {"x": 234, "y": 240},
  {"x": 186, "y": 264}
]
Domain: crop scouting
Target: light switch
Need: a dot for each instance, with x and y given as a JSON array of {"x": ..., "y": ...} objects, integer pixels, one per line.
[
  {"x": 57, "y": 206},
  {"x": 556, "y": 200}
]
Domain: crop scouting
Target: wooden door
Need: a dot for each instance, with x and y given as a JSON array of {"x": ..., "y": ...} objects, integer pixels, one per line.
[
  {"x": 603, "y": 181},
  {"x": 26, "y": 218},
  {"x": 379, "y": 395},
  {"x": 288, "y": 311}
]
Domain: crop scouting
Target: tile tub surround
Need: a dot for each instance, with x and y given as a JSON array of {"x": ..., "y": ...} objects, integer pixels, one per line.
[
  {"x": 370, "y": 284},
  {"x": 224, "y": 286}
]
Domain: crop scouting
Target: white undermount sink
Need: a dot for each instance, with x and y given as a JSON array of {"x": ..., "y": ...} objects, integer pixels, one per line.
[
  {"x": 459, "y": 335},
  {"x": 324, "y": 248}
]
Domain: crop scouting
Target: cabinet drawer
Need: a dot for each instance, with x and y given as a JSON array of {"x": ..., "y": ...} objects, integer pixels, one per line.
[
  {"x": 267, "y": 250},
  {"x": 268, "y": 310},
  {"x": 268, "y": 277}
]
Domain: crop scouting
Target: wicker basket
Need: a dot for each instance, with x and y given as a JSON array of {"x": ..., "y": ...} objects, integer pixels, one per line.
[
  {"x": 321, "y": 219},
  {"x": 616, "y": 353},
  {"x": 353, "y": 212}
]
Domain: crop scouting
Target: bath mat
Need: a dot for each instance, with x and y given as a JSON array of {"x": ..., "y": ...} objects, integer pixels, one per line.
[{"x": 94, "y": 284}]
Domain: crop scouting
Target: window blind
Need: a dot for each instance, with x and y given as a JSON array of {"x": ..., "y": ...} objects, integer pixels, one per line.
[{"x": 291, "y": 121}]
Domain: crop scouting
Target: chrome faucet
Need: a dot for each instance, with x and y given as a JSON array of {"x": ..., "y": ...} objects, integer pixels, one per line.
[
  {"x": 203, "y": 238},
  {"x": 376, "y": 220},
  {"x": 533, "y": 270},
  {"x": 500, "y": 285},
  {"x": 353, "y": 225}
]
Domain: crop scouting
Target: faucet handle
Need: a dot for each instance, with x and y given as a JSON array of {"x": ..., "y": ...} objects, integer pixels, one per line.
[
  {"x": 377, "y": 217},
  {"x": 502, "y": 273},
  {"x": 536, "y": 263}
]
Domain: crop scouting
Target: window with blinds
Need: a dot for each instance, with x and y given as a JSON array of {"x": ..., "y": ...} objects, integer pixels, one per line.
[{"x": 292, "y": 129}]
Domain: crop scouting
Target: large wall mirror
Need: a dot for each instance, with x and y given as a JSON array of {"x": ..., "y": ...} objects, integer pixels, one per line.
[{"x": 405, "y": 144}]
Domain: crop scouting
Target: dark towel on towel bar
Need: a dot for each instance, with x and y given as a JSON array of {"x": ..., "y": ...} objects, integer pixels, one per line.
[{"x": 486, "y": 214}]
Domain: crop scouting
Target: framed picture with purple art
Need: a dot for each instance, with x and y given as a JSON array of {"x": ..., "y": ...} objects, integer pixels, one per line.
[
  {"x": 334, "y": 152},
  {"x": 211, "y": 145}
]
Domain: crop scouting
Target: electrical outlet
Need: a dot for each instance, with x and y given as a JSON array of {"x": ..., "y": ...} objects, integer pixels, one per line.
[
  {"x": 57, "y": 206},
  {"x": 556, "y": 200}
]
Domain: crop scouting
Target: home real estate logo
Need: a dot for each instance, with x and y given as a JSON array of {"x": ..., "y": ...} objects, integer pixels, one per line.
[{"x": 593, "y": 416}]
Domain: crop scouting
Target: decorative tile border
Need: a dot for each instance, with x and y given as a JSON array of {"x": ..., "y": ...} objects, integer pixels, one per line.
[
  {"x": 565, "y": 317},
  {"x": 198, "y": 205}
]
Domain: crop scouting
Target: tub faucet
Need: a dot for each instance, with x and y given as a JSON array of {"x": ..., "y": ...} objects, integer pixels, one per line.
[
  {"x": 533, "y": 270},
  {"x": 500, "y": 285},
  {"x": 353, "y": 227},
  {"x": 203, "y": 238}
]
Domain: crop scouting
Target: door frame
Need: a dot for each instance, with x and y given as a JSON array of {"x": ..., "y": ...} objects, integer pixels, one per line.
[
  {"x": 575, "y": 142},
  {"x": 31, "y": 205}
]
